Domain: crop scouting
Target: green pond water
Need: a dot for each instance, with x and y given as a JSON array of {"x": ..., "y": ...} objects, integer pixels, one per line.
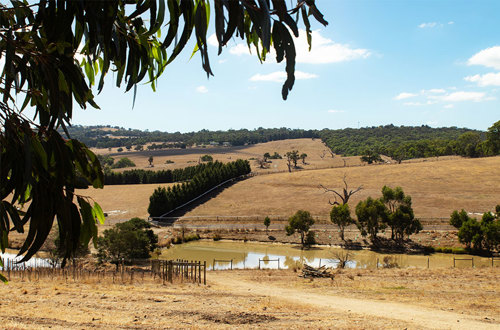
[{"x": 247, "y": 255}]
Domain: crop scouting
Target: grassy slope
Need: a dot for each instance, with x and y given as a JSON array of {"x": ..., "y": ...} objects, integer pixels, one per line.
[{"x": 437, "y": 188}]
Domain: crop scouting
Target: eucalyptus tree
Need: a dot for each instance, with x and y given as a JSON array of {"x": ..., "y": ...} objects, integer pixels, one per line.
[{"x": 57, "y": 53}]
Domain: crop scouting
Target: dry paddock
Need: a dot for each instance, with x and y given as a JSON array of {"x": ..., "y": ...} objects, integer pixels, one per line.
[{"x": 384, "y": 298}]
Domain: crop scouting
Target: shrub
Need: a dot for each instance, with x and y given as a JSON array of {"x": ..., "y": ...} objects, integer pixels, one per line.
[
  {"x": 123, "y": 162},
  {"x": 128, "y": 240},
  {"x": 207, "y": 158},
  {"x": 216, "y": 237}
]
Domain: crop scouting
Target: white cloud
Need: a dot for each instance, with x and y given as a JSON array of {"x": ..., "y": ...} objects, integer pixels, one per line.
[
  {"x": 436, "y": 90},
  {"x": 489, "y": 57},
  {"x": 212, "y": 40},
  {"x": 489, "y": 79},
  {"x": 428, "y": 25},
  {"x": 239, "y": 49},
  {"x": 335, "y": 111},
  {"x": 280, "y": 76},
  {"x": 202, "y": 89},
  {"x": 464, "y": 96},
  {"x": 323, "y": 50},
  {"x": 449, "y": 106},
  {"x": 419, "y": 103},
  {"x": 451, "y": 23},
  {"x": 404, "y": 95}
]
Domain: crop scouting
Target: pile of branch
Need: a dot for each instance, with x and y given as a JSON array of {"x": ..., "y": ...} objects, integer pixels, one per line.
[{"x": 323, "y": 271}]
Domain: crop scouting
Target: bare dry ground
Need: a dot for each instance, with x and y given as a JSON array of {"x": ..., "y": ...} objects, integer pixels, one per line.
[{"x": 356, "y": 298}]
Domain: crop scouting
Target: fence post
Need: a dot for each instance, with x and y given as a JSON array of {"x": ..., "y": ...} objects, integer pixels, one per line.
[
  {"x": 453, "y": 262},
  {"x": 204, "y": 272},
  {"x": 231, "y": 264},
  {"x": 428, "y": 262},
  {"x": 472, "y": 262}
]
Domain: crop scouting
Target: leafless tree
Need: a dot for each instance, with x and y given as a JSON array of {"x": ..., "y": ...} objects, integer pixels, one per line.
[
  {"x": 262, "y": 163},
  {"x": 344, "y": 195},
  {"x": 342, "y": 257}
]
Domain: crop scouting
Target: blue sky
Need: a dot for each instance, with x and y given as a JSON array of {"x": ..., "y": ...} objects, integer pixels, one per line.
[{"x": 378, "y": 62}]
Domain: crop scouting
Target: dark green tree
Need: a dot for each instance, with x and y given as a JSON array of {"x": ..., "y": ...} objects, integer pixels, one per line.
[
  {"x": 267, "y": 222},
  {"x": 370, "y": 157},
  {"x": 300, "y": 223},
  {"x": 341, "y": 216},
  {"x": 150, "y": 160},
  {"x": 372, "y": 217},
  {"x": 400, "y": 217},
  {"x": 128, "y": 240},
  {"x": 493, "y": 138},
  {"x": 207, "y": 158},
  {"x": 303, "y": 156}
]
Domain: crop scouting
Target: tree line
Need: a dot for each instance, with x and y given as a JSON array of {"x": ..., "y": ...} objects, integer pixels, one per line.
[
  {"x": 406, "y": 142},
  {"x": 164, "y": 200},
  {"x": 139, "y": 176}
]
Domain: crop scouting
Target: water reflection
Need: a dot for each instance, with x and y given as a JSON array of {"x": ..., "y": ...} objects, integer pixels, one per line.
[{"x": 247, "y": 255}]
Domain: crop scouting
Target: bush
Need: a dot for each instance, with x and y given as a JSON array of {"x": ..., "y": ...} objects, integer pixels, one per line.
[
  {"x": 216, "y": 237},
  {"x": 128, "y": 240},
  {"x": 123, "y": 162},
  {"x": 207, "y": 158}
]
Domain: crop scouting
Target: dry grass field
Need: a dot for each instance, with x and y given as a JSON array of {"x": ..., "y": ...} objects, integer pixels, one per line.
[
  {"x": 437, "y": 188},
  {"x": 317, "y": 155},
  {"x": 356, "y": 298}
]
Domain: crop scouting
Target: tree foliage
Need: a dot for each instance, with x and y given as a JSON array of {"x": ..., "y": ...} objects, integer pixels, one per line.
[
  {"x": 165, "y": 200},
  {"x": 400, "y": 217},
  {"x": 300, "y": 223},
  {"x": 372, "y": 217},
  {"x": 483, "y": 235},
  {"x": 56, "y": 51},
  {"x": 129, "y": 240},
  {"x": 341, "y": 216}
]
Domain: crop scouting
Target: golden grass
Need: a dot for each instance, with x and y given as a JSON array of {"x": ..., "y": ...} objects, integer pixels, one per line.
[
  {"x": 122, "y": 201},
  {"x": 317, "y": 155},
  {"x": 436, "y": 187}
]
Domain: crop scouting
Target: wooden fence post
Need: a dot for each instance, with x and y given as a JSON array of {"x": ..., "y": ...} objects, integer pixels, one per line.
[{"x": 204, "y": 272}]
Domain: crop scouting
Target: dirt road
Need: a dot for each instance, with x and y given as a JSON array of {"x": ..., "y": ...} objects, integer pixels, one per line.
[{"x": 412, "y": 315}]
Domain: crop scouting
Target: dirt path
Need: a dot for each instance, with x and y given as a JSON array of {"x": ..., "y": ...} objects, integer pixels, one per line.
[{"x": 414, "y": 316}]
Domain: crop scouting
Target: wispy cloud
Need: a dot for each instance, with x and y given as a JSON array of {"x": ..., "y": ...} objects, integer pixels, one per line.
[
  {"x": 449, "y": 106},
  {"x": 488, "y": 79},
  {"x": 489, "y": 57},
  {"x": 202, "y": 89},
  {"x": 404, "y": 95},
  {"x": 438, "y": 95},
  {"x": 431, "y": 25},
  {"x": 280, "y": 76},
  {"x": 335, "y": 111},
  {"x": 428, "y": 25}
]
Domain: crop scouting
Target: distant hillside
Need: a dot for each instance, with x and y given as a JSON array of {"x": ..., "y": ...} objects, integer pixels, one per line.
[
  {"x": 405, "y": 142},
  {"x": 398, "y": 142}
]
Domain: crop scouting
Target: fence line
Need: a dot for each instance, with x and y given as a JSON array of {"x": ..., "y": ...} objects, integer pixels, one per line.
[{"x": 166, "y": 270}]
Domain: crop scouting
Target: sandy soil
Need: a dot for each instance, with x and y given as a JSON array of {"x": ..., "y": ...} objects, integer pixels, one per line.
[{"x": 386, "y": 298}]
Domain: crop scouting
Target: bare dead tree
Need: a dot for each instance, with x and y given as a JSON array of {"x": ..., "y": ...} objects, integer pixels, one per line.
[
  {"x": 342, "y": 258},
  {"x": 344, "y": 195},
  {"x": 262, "y": 163},
  {"x": 323, "y": 155}
]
